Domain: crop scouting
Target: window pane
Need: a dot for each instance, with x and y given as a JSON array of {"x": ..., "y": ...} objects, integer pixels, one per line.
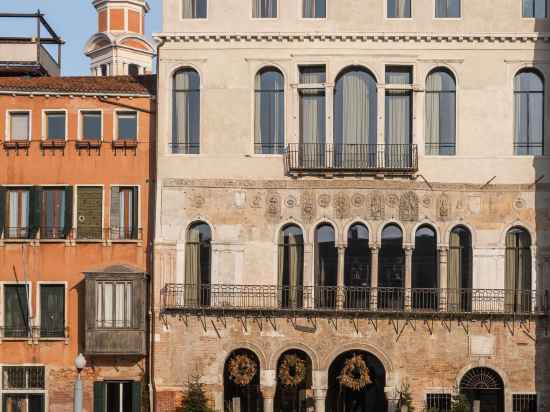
[
  {"x": 19, "y": 126},
  {"x": 312, "y": 74},
  {"x": 52, "y": 311},
  {"x": 529, "y": 113},
  {"x": 194, "y": 9},
  {"x": 55, "y": 126},
  {"x": 52, "y": 214},
  {"x": 16, "y": 311},
  {"x": 269, "y": 112},
  {"x": 399, "y": 8},
  {"x": 264, "y": 8},
  {"x": 18, "y": 214},
  {"x": 447, "y": 8},
  {"x": 399, "y": 75},
  {"x": 186, "y": 112},
  {"x": 127, "y": 125},
  {"x": 314, "y": 9},
  {"x": 91, "y": 127}
]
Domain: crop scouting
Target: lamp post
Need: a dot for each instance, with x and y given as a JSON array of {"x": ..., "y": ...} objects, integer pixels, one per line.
[{"x": 79, "y": 363}]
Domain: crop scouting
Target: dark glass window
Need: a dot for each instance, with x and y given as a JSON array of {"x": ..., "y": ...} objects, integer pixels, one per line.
[
  {"x": 524, "y": 402},
  {"x": 52, "y": 311},
  {"x": 392, "y": 269},
  {"x": 194, "y": 9},
  {"x": 264, "y": 9},
  {"x": 440, "y": 113},
  {"x": 127, "y": 125},
  {"x": 447, "y": 8},
  {"x": 269, "y": 118},
  {"x": 424, "y": 269},
  {"x": 440, "y": 402},
  {"x": 55, "y": 125},
  {"x": 314, "y": 9},
  {"x": 16, "y": 311},
  {"x": 291, "y": 266},
  {"x": 133, "y": 69},
  {"x": 91, "y": 125},
  {"x": 534, "y": 8},
  {"x": 399, "y": 9},
  {"x": 326, "y": 265},
  {"x": 53, "y": 213},
  {"x": 186, "y": 112},
  {"x": 529, "y": 113},
  {"x": 198, "y": 260}
]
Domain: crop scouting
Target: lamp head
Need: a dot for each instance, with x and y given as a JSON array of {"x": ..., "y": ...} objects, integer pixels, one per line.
[{"x": 80, "y": 362}]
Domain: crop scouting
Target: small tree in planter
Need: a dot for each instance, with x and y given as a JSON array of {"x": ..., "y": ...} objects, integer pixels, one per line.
[
  {"x": 460, "y": 403},
  {"x": 404, "y": 404},
  {"x": 195, "y": 397}
]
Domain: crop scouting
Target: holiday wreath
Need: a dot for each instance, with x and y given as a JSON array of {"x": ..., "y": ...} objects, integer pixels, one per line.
[
  {"x": 355, "y": 373},
  {"x": 242, "y": 369},
  {"x": 292, "y": 371}
]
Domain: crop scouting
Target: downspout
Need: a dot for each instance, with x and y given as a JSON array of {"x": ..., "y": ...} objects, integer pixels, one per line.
[{"x": 152, "y": 211}]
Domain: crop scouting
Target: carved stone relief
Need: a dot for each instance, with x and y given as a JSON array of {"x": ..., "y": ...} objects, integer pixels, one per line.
[
  {"x": 443, "y": 207},
  {"x": 427, "y": 201},
  {"x": 376, "y": 206},
  {"x": 357, "y": 200},
  {"x": 239, "y": 199},
  {"x": 308, "y": 206},
  {"x": 273, "y": 205},
  {"x": 291, "y": 202},
  {"x": 341, "y": 205},
  {"x": 392, "y": 200},
  {"x": 324, "y": 200},
  {"x": 408, "y": 207},
  {"x": 197, "y": 201},
  {"x": 256, "y": 201}
]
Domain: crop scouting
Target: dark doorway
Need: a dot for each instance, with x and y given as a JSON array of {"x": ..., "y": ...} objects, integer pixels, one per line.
[
  {"x": 241, "y": 382},
  {"x": 291, "y": 267},
  {"x": 368, "y": 398},
  {"x": 392, "y": 269},
  {"x": 484, "y": 389},
  {"x": 326, "y": 266},
  {"x": 424, "y": 270},
  {"x": 357, "y": 275},
  {"x": 459, "y": 281},
  {"x": 294, "y": 382}
]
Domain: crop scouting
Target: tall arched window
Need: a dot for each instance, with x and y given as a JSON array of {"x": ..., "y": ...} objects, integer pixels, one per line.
[
  {"x": 355, "y": 118},
  {"x": 291, "y": 266},
  {"x": 529, "y": 113},
  {"x": 517, "y": 278},
  {"x": 186, "y": 112},
  {"x": 424, "y": 269},
  {"x": 269, "y": 120},
  {"x": 440, "y": 113},
  {"x": 198, "y": 257},
  {"x": 392, "y": 269},
  {"x": 326, "y": 265},
  {"x": 459, "y": 268}
]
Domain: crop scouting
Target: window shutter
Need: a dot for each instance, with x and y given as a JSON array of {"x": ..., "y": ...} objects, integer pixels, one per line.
[
  {"x": 99, "y": 397},
  {"x": 115, "y": 229},
  {"x": 136, "y": 396},
  {"x": 68, "y": 210},
  {"x": 52, "y": 310},
  {"x": 135, "y": 213},
  {"x": 2, "y": 208},
  {"x": 34, "y": 210}
]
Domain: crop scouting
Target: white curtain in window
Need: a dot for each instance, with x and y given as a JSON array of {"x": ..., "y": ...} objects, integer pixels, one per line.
[
  {"x": 529, "y": 113},
  {"x": 312, "y": 116},
  {"x": 186, "y": 111},
  {"x": 19, "y": 126},
  {"x": 128, "y": 309},
  {"x": 120, "y": 305},
  {"x": 440, "y": 113},
  {"x": 269, "y": 111},
  {"x": 18, "y": 219},
  {"x": 105, "y": 304},
  {"x": 399, "y": 8},
  {"x": 433, "y": 87}
]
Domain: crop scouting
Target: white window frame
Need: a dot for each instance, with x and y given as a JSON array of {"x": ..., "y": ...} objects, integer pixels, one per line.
[
  {"x": 115, "y": 123},
  {"x": 81, "y": 113},
  {"x": 45, "y": 113},
  {"x": 75, "y": 214},
  {"x": 138, "y": 211},
  {"x": 38, "y": 322},
  {"x": 8, "y": 124},
  {"x": 3, "y": 315},
  {"x": 24, "y": 391}
]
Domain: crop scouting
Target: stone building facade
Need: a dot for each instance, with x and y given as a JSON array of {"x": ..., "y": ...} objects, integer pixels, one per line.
[{"x": 372, "y": 233}]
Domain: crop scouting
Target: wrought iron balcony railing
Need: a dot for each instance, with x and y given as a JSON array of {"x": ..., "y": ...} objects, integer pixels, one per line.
[
  {"x": 354, "y": 300},
  {"x": 351, "y": 158}
]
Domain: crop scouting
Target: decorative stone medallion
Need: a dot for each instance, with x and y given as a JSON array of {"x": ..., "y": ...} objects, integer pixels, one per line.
[
  {"x": 273, "y": 205},
  {"x": 291, "y": 202},
  {"x": 392, "y": 200},
  {"x": 256, "y": 201},
  {"x": 197, "y": 201},
  {"x": 408, "y": 207},
  {"x": 341, "y": 205},
  {"x": 426, "y": 201},
  {"x": 324, "y": 200},
  {"x": 357, "y": 200},
  {"x": 519, "y": 203}
]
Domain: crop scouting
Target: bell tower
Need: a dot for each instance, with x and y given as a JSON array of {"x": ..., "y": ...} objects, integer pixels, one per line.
[{"x": 120, "y": 47}]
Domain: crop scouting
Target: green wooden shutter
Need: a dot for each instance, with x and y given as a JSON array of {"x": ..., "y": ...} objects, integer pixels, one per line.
[
  {"x": 115, "y": 230},
  {"x": 52, "y": 310},
  {"x": 99, "y": 397},
  {"x": 2, "y": 208},
  {"x": 35, "y": 203},
  {"x": 136, "y": 396},
  {"x": 135, "y": 213},
  {"x": 68, "y": 210}
]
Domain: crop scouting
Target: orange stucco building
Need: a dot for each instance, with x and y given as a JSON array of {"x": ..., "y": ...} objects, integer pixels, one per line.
[{"x": 77, "y": 161}]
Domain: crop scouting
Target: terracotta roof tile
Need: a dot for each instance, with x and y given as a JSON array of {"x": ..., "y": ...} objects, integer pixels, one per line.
[{"x": 138, "y": 85}]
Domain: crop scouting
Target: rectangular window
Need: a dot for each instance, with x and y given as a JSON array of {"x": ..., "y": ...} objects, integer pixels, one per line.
[
  {"x": 124, "y": 213},
  {"x": 20, "y": 379},
  {"x": 91, "y": 125},
  {"x": 127, "y": 125},
  {"x": 114, "y": 305},
  {"x": 194, "y": 9},
  {"x": 264, "y": 9},
  {"x": 524, "y": 403},
  {"x": 52, "y": 311},
  {"x": 16, "y": 311},
  {"x": 89, "y": 213},
  {"x": 535, "y": 9},
  {"x": 17, "y": 219},
  {"x": 440, "y": 402},
  {"x": 53, "y": 213},
  {"x": 20, "y": 126},
  {"x": 117, "y": 396},
  {"x": 447, "y": 9},
  {"x": 314, "y": 9},
  {"x": 55, "y": 125},
  {"x": 399, "y": 9}
]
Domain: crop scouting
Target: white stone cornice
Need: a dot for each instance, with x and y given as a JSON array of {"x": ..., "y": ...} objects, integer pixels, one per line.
[{"x": 364, "y": 36}]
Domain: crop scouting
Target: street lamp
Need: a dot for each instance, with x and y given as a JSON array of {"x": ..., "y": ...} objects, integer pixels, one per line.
[{"x": 79, "y": 363}]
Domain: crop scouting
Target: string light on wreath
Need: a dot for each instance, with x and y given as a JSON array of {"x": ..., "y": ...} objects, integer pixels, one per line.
[
  {"x": 292, "y": 371},
  {"x": 242, "y": 369},
  {"x": 355, "y": 373}
]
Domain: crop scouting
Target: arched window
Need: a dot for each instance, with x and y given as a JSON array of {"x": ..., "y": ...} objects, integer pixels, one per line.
[
  {"x": 198, "y": 257},
  {"x": 459, "y": 268},
  {"x": 291, "y": 266},
  {"x": 357, "y": 268},
  {"x": 326, "y": 265},
  {"x": 517, "y": 278},
  {"x": 425, "y": 269},
  {"x": 355, "y": 118},
  {"x": 246, "y": 392},
  {"x": 186, "y": 112},
  {"x": 483, "y": 386},
  {"x": 440, "y": 113},
  {"x": 392, "y": 269},
  {"x": 294, "y": 381},
  {"x": 269, "y": 121},
  {"x": 529, "y": 113}
]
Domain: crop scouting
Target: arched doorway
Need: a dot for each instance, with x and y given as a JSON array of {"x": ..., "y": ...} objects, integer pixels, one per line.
[
  {"x": 357, "y": 268},
  {"x": 484, "y": 389},
  {"x": 392, "y": 269},
  {"x": 241, "y": 382},
  {"x": 294, "y": 382},
  {"x": 425, "y": 270},
  {"x": 350, "y": 389}
]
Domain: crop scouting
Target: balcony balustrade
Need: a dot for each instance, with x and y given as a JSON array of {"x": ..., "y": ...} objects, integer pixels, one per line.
[
  {"x": 304, "y": 158},
  {"x": 354, "y": 300}
]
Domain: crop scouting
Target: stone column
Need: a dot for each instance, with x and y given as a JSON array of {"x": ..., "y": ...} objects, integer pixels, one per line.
[
  {"x": 340, "y": 296},
  {"x": 408, "y": 276},
  {"x": 320, "y": 396},
  {"x": 443, "y": 259},
  {"x": 374, "y": 276},
  {"x": 268, "y": 393}
]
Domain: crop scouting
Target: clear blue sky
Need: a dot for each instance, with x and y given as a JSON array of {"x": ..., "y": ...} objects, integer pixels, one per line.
[{"x": 75, "y": 21}]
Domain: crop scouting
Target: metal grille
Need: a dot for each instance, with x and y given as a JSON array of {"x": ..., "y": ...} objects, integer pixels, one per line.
[
  {"x": 481, "y": 379},
  {"x": 524, "y": 403},
  {"x": 438, "y": 402},
  {"x": 23, "y": 377}
]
